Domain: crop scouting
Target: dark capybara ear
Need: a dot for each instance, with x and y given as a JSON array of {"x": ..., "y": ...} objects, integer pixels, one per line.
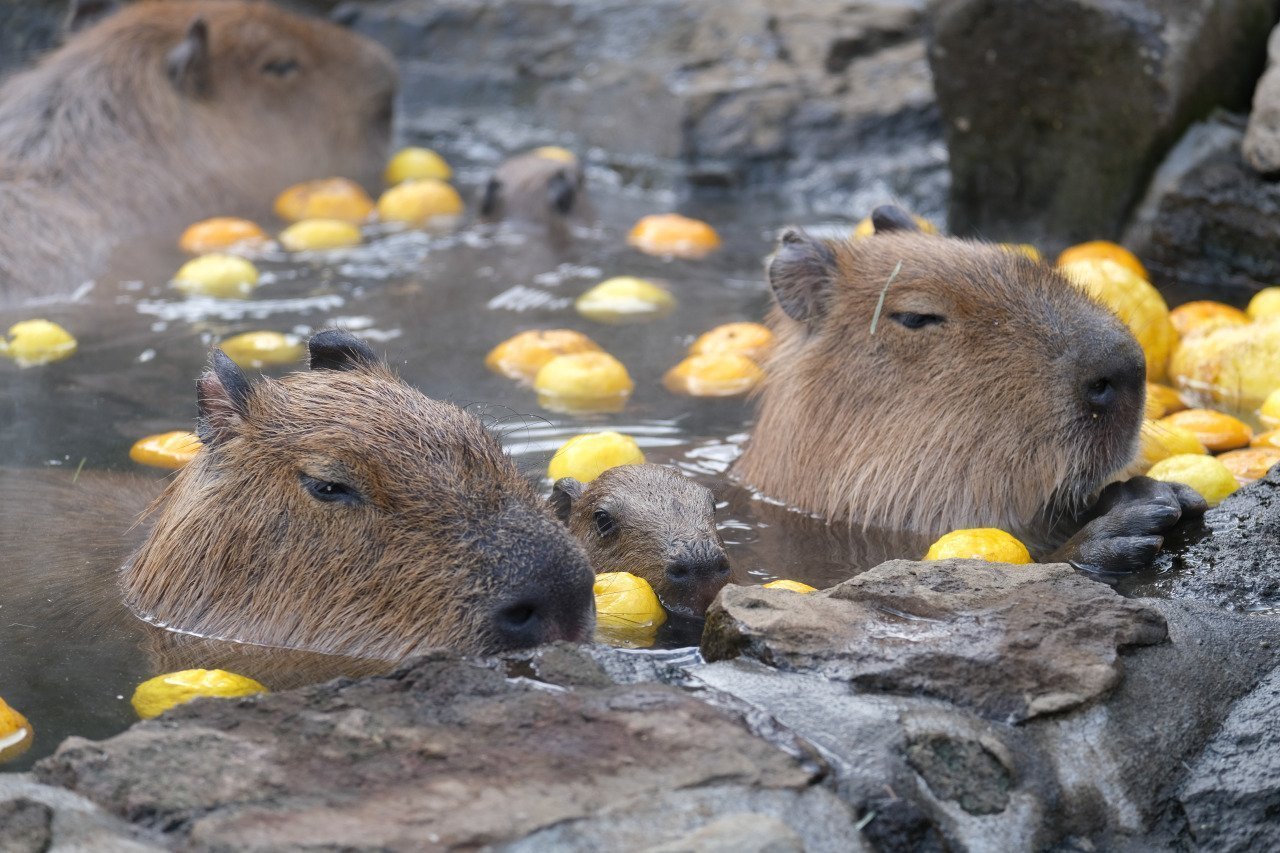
[
  {"x": 489, "y": 198},
  {"x": 345, "y": 15},
  {"x": 563, "y": 494},
  {"x": 336, "y": 349},
  {"x": 802, "y": 273},
  {"x": 83, "y": 13},
  {"x": 888, "y": 218},
  {"x": 222, "y": 395},
  {"x": 561, "y": 193},
  {"x": 188, "y": 64}
]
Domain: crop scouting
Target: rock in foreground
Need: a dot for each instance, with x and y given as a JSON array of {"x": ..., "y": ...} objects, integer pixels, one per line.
[{"x": 1010, "y": 642}]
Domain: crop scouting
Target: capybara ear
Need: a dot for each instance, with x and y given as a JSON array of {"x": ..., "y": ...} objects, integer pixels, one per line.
[
  {"x": 801, "y": 274},
  {"x": 188, "y": 63},
  {"x": 82, "y": 13},
  {"x": 563, "y": 494},
  {"x": 489, "y": 200},
  {"x": 222, "y": 394},
  {"x": 887, "y": 218},
  {"x": 561, "y": 193},
  {"x": 336, "y": 349}
]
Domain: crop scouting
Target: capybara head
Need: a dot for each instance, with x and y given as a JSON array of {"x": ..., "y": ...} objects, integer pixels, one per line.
[
  {"x": 230, "y": 89},
  {"x": 341, "y": 511},
  {"x": 925, "y": 383},
  {"x": 650, "y": 521},
  {"x": 545, "y": 182}
]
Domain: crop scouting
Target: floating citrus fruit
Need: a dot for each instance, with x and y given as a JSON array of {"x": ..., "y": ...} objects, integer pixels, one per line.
[
  {"x": 166, "y": 450},
  {"x": 220, "y": 234},
  {"x": 415, "y": 164},
  {"x": 627, "y": 609},
  {"x": 223, "y": 276},
  {"x": 1160, "y": 441},
  {"x": 1192, "y": 318},
  {"x": 1168, "y": 399},
  {"x": 1138, "y": 305},
  {"x": 750, "y": 339},
  {"x": 980, "y": 543},
  {"x": 255, "y": 350},
  {"x": 585, "y": 457},
  {"x": 1264, "y": 304},
  {"x": 583, "y": 382},
  {"x": 1213, "y": 480},
  {"x": 15, "y": 733},
  {"x": 865, "y": 227},
  {"x": 312, "y": 235},
  {"x": 715, "y": 375},
  {"x": 521, "y": 356},
  {"x": 419, "y": 201},
  {"x": 1269, "y": 411},
  {"x": 1215, "y": 430},
  {"x": 625, "y": 299},
  {"x": 34, "y": 342},
  {"x": 675, "y": 235},
  {"x": 157, "y": 695},
  {"x": 794, "y": 586},
  {"x": 325, "y": 198},
  {"x": 1235, "y": 366},
  {"x": 1104, "y": 250},
  {"x": 1025, "y": 249},
  {"x": 1250, "y": 463}
]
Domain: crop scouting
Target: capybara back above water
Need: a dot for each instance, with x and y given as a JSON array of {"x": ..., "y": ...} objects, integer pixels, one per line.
[
  {"x": 165, "y": 112},
  {"x": 341, "y": 511},
  {"x": 925, "y": 384}
]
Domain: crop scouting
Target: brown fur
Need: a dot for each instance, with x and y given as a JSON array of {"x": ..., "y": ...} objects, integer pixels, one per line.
[
  {"x": 976, "y": 421},
  {"x": 534, "y": 187},
  {"x": 129, "y": 128},
  {"x": 435, "y": 537},
  {"x": 659, "y": 525}
]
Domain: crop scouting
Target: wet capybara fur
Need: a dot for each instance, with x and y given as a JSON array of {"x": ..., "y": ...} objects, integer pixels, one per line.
[
  {"x": 924, "y": 383},
  {"x": 338, "y": 510},
  {"x": 534, "y": 186},
  {"x": 166, "y": 112},
  {"x": 652, "y": 522}
]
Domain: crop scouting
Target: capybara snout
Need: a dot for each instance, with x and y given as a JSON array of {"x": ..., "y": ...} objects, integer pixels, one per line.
[{"x": 340, "y": 510}]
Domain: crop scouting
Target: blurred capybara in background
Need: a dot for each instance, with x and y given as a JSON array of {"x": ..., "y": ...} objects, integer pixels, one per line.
[
  {"x": 165, "y": 112},
  {"x": 539, "y": 185},
  {"x": 653, "y": 522},
  {"x": 924, "y": 383},
  {"x": 335, "y": 510}
]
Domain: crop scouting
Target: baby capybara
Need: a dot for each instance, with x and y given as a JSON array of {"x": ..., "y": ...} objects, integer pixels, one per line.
[
  {"x": 166, "y": 112},
  {"x": 926, "y": 384},
  {"x": 338, "y": 510},
  {"x": 652, "y": 522}
]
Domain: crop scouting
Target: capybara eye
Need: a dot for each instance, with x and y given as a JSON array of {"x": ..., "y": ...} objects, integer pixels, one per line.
[
  {"x": 280, "y": 67},
  {"x": 328, "y": 491},
  {"x": 605, "y": 525},
  {"x": 912, "y": 320}
]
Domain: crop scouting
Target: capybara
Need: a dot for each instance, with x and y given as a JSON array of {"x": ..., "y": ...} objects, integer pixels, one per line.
[
  {"x": 650, "y": 521},
  {"x": 542, "y": 184},
  {"x": 926, "y": 384},
  {"x": 165, "y": 112},
  {"x": 335, "y": 510}
]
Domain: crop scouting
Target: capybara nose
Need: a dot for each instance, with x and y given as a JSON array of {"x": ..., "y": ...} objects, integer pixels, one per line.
[
  {"x": 560, "y": 610},
  {"x": 1112, "y": 374},
  {"x": 694, "y": 579}
]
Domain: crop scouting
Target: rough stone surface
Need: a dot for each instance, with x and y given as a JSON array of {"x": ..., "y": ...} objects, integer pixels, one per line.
[
  {"x": 738, "y": 833},
  {"x": 35, "y": 818},
  {"x": 445, "y": 753},
  {"x": 1209, "y": 224},
  {"x": 831, "y": 97},
  {"x": 1230, "y": 559},
  {"x": 1009, "y": 643},
  {"x": 1058, "y": 111},
  {"x": 1261, "y": 146},
  {"x": 1232, "y": 796}
]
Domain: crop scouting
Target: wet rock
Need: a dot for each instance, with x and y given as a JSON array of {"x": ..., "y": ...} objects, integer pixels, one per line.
[
  {"x": 831, "y": 98},
  {"x": 448, "y": 753},
  {"x": 1010, "y": 643},
  {"x": 1261, "y": 146},
  {"x": 737, "y": 833},
  {"x": 1209, "y": 224},
  {"x": 1232, "y": 558},
  {"x": 924, "y": 774},
  {"x": 35, "y": 818},
  {"x": 1057, "y": 113},
  {"x": 1232, "y": 795}
]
